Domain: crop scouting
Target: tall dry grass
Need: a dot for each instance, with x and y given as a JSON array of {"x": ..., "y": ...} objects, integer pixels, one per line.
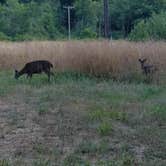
[{"x": 118, "y": 59}]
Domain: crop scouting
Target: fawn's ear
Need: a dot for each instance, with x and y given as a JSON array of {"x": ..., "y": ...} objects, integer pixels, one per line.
[
  {"x": 140, "y": 60},
  {"x": 144, "y": 60}
]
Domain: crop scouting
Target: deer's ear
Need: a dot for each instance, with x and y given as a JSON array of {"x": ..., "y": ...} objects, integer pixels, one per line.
[{"x": 139, "y": 60}]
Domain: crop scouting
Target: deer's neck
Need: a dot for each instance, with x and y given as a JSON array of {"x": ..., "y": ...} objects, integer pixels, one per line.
[{"x": 21, "y": 72}]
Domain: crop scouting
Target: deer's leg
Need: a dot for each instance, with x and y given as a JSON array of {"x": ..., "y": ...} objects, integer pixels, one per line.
[
  {"x": 29, "y": 76},
  {"x": 51, "y": 73},
  {"x": 48, "y": 74}
]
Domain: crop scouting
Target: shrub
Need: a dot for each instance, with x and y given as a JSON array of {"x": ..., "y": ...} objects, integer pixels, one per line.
[
  {"x": 105, "y": 128},
  {"x": 88, "y": 33},
  {"x": 153, "y": 28}
]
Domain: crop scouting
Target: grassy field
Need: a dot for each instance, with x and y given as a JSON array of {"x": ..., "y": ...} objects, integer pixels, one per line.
[
  {"x": 78, "y": 120},
  {"x": 98, "y": 110},
  {"x": 116, "y": 59}
]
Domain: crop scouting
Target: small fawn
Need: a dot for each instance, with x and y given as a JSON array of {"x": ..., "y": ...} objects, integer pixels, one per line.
[{"x": 147, "y": 69}]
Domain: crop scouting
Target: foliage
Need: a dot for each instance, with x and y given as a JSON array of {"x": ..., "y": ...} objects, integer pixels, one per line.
[
  {"x": 30, "y": 21},
  {"x": 105, "y": 128},
  {"x": 154, "y": 28},
  {"x": 125, "y": 13},
  {"x": 88, "y": 33},
  {"x": 47, "y": 19}
]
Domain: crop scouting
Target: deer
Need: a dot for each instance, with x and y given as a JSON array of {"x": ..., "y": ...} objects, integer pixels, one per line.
[
  {"x": 147, "y": 69},
  {"x": 35, "y": 67}
]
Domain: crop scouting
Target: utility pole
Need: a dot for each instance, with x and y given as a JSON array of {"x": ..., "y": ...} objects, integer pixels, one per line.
[
  {"x": 106, "y": 19},
  {"x": 69, "y": 24}
]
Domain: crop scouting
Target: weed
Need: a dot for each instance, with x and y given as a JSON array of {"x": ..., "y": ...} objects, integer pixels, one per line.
[
  {"x": 40, "y": 149},
  {"x": 105, "y": 128},
  {"x": 41, "y": 162},
  {"x": 107, "y": 163},
  {"x": 97, "y": 114},
  {"x": 127, "y": 160},
  {"x": 159, "y": 113},
  {"x": 123, "y": 160},
  {"x": 149, "y": 92},
  {"x": 87, "y": 147},
  {"x": 42, "y": 111},
  {"x": 4, "y": 163},
  {"x": 93, "y": 148},
  {"x": 101, "y": 114},
  {"x": 74, "y": 160}
]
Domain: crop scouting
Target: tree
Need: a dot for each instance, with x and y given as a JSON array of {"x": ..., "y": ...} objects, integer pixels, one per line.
[
  {"x": 153, "y": 28},
  {"x": 106, "y": 19},
  {"x": 125, "y": 13},
  {"x": 85, "y": 16}
]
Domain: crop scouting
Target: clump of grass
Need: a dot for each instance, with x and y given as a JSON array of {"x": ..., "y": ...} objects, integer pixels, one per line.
[
  {"x": 104, "y": 118},
  {"x": 159, "y": 113},
  {"x": 127, "y": 160},
  {"x": 150, "y": 92},
  {"x": 96, "y": 115},
  {"x": 4, "y": 163},
  {"x": 122, "y": 160},
  {"x": 87, "y": 147},
  {"x": 93, "y": 148},
  {"x": 73, "y": 160},
  {"x": 41, "y": 149},
  {"x": 105, "y": 128},
  {"x": 41, "y": 162},
  {"x": 7, "y": 83},
  {"x": 100, "y": 114},
  {"x": 42, "y": 111}
]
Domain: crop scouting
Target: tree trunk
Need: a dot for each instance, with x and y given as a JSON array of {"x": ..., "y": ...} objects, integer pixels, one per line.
[{"x": 106, "y": 19}]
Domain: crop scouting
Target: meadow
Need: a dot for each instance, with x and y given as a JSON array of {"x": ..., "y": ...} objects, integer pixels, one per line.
[
  {"x": 115, "y": 59},
  {"x": 98, "y": 109}
]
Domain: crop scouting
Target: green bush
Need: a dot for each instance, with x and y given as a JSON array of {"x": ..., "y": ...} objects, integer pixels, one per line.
[
  {"x": 159, "y": 113},
  {"x": 153, "y": 28},
  {"x": 105, "y": 128},
  {"x": 88, "y": 33},
  {"x": 3, "y": 37}
]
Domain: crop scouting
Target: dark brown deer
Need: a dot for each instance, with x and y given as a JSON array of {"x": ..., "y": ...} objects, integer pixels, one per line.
[
  {"x": 35, "y": 67},
  {"x": 147, "y": 69}
]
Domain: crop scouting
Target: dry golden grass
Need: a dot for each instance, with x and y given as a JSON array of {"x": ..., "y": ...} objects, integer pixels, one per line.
[{"x": 117, "y": 58}]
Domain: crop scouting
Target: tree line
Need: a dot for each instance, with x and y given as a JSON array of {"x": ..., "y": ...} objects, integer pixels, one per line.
[{"x": 47, "y": 19}]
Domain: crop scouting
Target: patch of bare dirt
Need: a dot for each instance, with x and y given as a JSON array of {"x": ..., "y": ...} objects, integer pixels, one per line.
[
  {"x": 29, "y": 135},
  {"x": 25, "y": 133}
]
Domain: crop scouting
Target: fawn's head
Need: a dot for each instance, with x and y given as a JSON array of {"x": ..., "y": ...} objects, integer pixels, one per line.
[
  {"x": 16, "y": 74},
  {"x": 142, "y": 61}
]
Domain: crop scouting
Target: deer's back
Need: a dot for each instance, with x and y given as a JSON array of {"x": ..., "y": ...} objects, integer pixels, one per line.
[{"x": 37, "y": 66}]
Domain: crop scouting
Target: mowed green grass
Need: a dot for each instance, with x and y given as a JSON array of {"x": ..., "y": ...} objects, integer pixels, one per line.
[{"x": 77, "y": 120}]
